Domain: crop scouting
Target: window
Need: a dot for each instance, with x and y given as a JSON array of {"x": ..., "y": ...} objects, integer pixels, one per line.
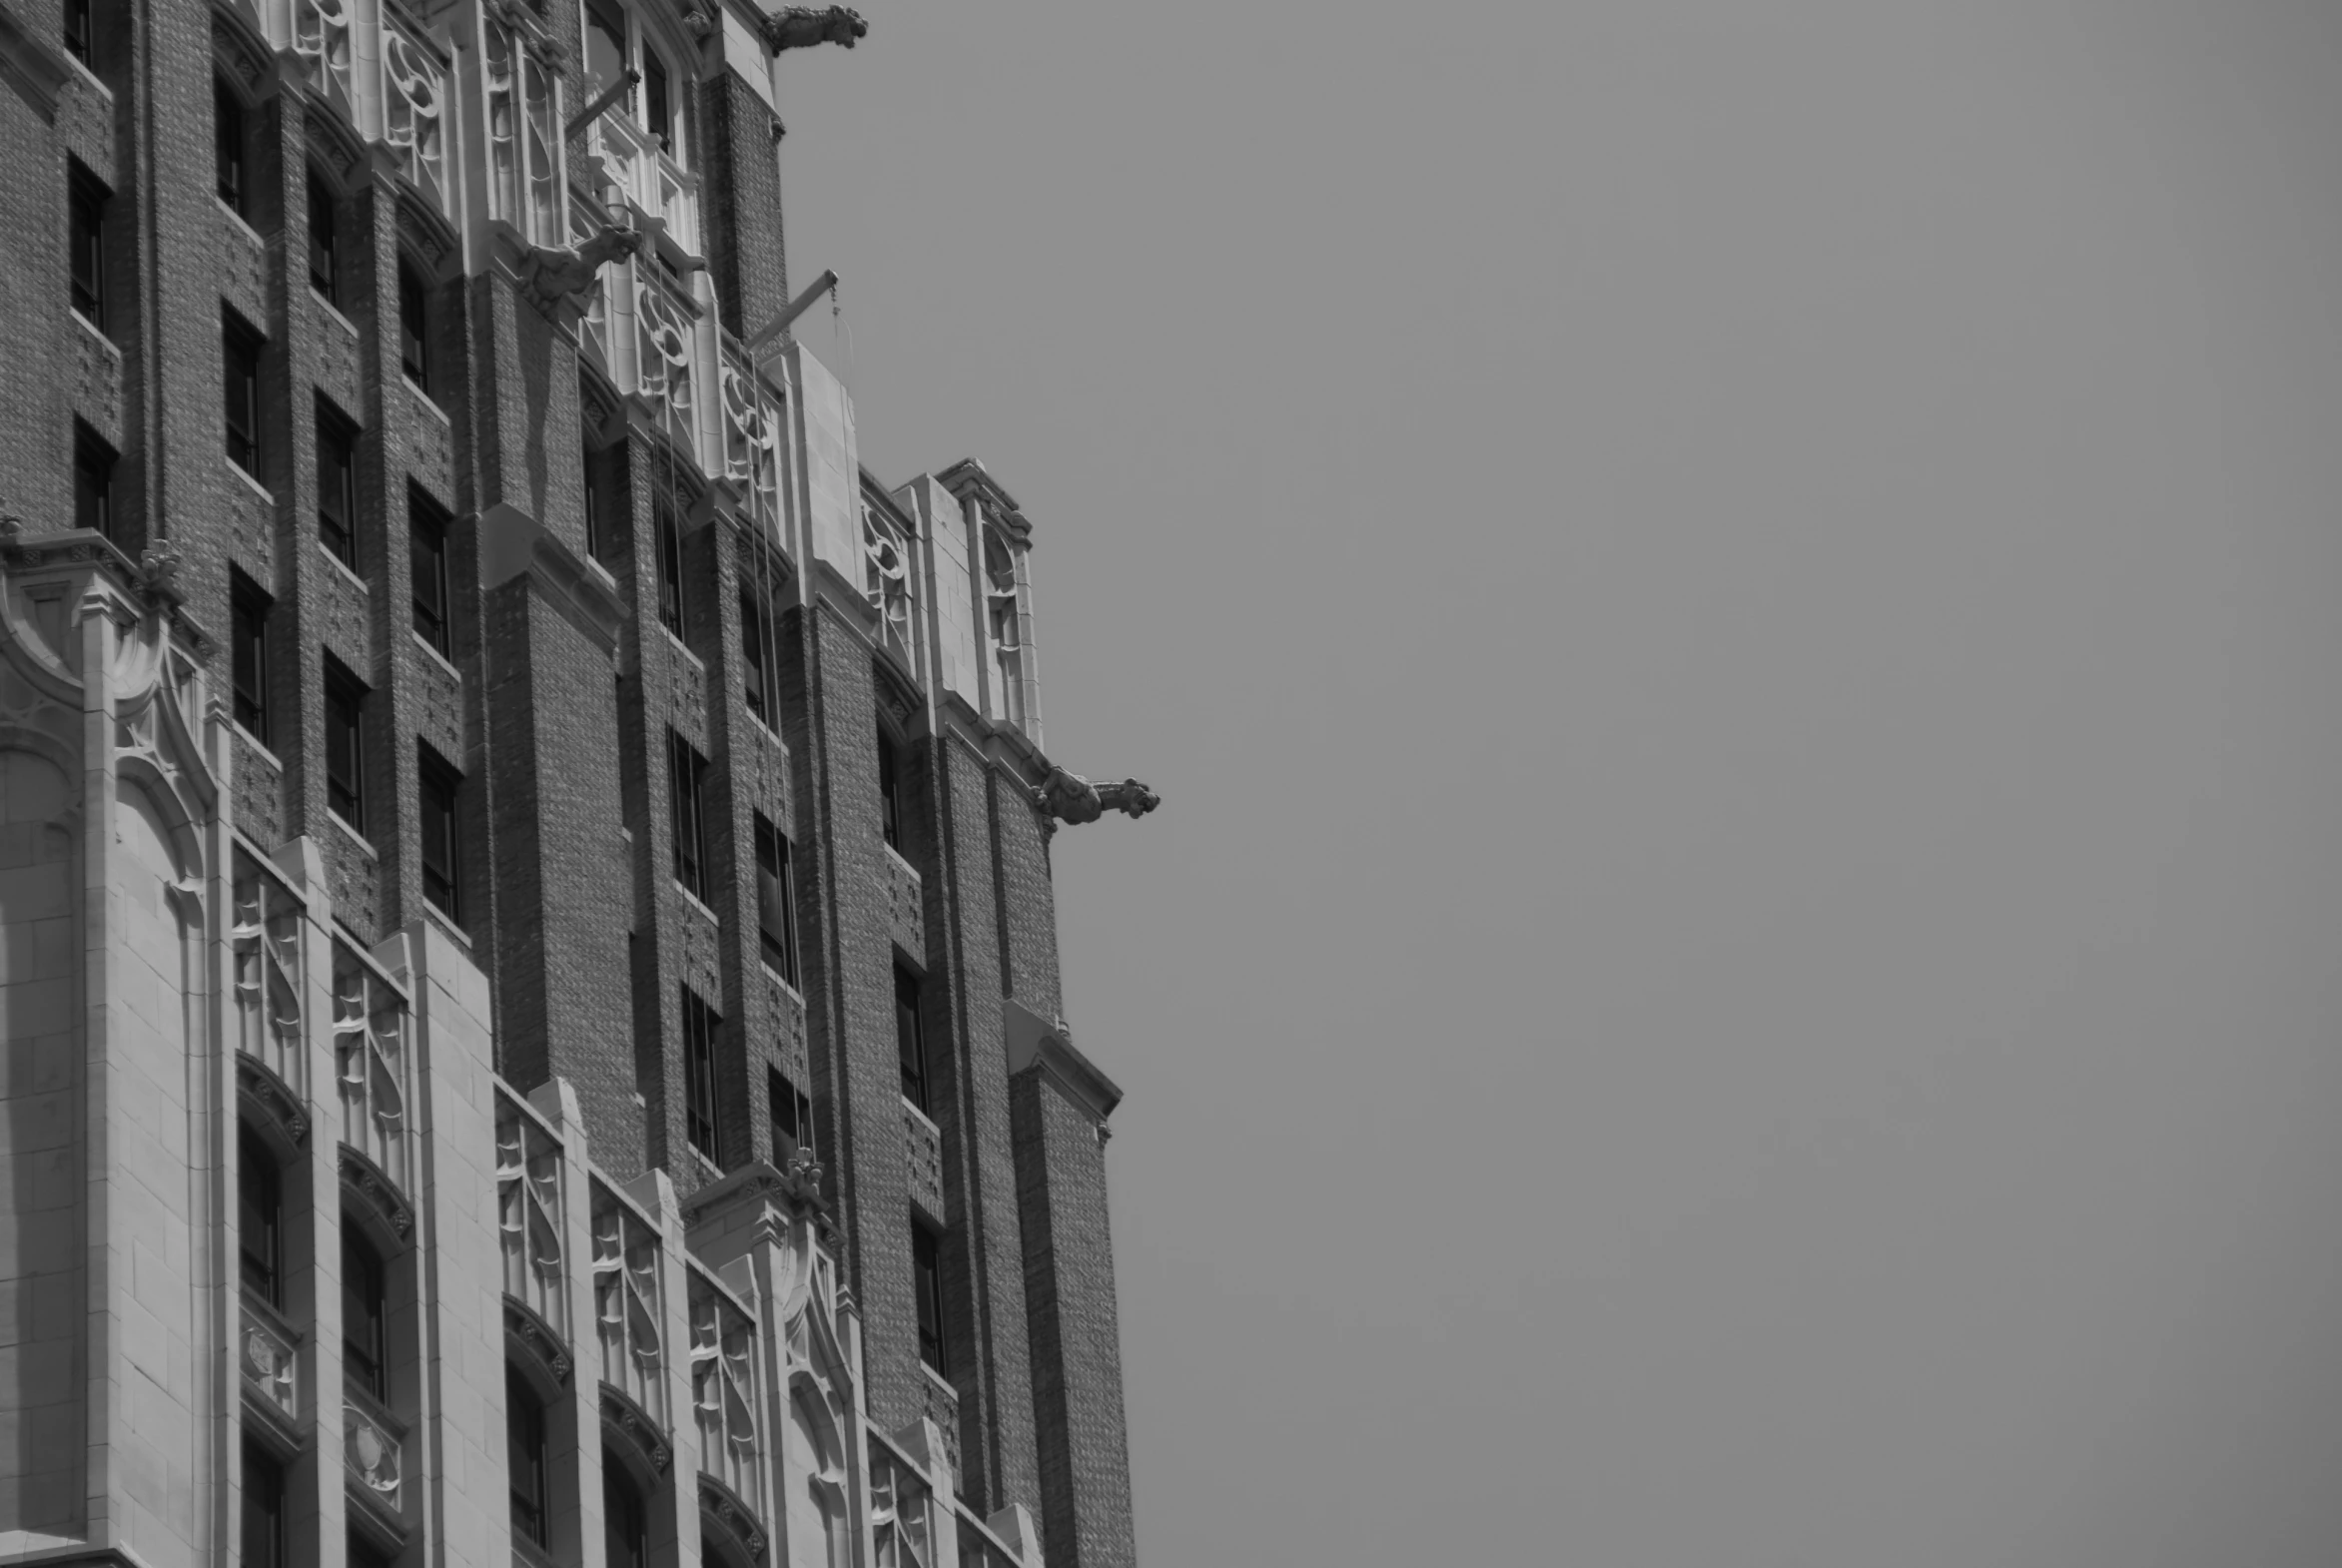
[
  {"x": 611, "y": 45},
  {"x": 605, "y": 49},
  {"x": 443, "y": 880},
  {"x": 414, "y": 318},
  {"x": 362, "y": 1553},
  {"x": 909, "y": 1040},
  {"x": 426, "y": 553},
  {"x": 78, "y": 31},
  {"x": 325, "y": 244},
  {"x": 92, "y": 481},
  {"x": 776, "y": 902},
  {"x": 263, "y": 1508},
  {"x": 248, "y": 619},
  {"x": 670, "y": 569},
  {"x": 756, "y": 659},
  {"x": 657, "y": 109},
  {"x": 890, "y": 793},
  {"x": 928, "y": 1280},
  {"x": 792, "y": 1113},
  {"x": 336, "y": 485},
  {"x": 345, "y": 745},
  {"x": 597, "y": 527},
  {"x": 228, "y": 145},
  {"x": 241, "y": 356},
  {"x": 259, "y": 1219},
  {"x": 85, "y": 241},
  {"x": 525, "y": 1452},
  {"x": 365, "y": 1345},
  {"x": 625, "y": 1525},
  {"x": 699, "y": 1073},
  {"x": 687, "y": 782}
]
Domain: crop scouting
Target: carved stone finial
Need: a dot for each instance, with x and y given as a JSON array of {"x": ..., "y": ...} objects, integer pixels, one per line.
[
  {"x": 551, "y": 277},
  {"x": 803, "y": 26},
  {"x": 161, "y": 567},
  {"x": 1069, "y": 797},
  {"x": 11, "y": 526}
]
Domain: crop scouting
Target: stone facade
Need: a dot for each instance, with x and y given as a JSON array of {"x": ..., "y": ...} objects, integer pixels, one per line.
[{"x": 464, "y": 907}]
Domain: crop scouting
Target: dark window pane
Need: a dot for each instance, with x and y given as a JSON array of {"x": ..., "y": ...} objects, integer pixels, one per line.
[
  {"x": 227, "y": 143},
  {"x": 337, "y": 487},
  {"x": 776, "y": 910},
  {"x": 926, "y": 1279},
  {"x": 414, "y": 328},
  {"x": 324, "y": 248},
  {"x": 658, "y": 113},
  {"x": 427, "y": 544},
  {"x": 670, "y": 570},
  {"x": 263, "y": 1508},
  {"x": 366, "y": 1359},
  {"x": 792, "y": 1115},
  {"x": 93, "y": 483},
  {"x": 910, "y": 1042},
  {"x": 597, "y": 543},
  {"x": 85, "y": 238},
  {"x": 625, "y": 1524},
  {"x": 699, "y": 1074},
  {"x": 686, "y": 781},
  {"x": 605, "y": 46},
  {"x": 363, "y": 1555},
  {"x": 77, "y": 30},
  {"x": 890, "y": 793},
  {"x": 241, "y": 395},
  {"x": 442, "y": 876},
  {"x": 259, "y": 1219},
  {"x": 249, "y": 615},
  {"x": 524, "y": 1450},
  {"x": 344, "y": 746},
  {"x": 761, "y": 670}
]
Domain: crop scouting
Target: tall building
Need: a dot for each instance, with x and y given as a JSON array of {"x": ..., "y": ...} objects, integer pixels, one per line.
[{"x": 533, "y": 1028}]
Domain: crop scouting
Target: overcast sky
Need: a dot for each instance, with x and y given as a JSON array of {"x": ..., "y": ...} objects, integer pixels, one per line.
[{"x": 1737, "y": 611}]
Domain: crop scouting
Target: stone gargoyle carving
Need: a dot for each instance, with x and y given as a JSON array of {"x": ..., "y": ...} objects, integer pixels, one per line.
[
  {"x": 803, "y": 26},
  {"x": 161, "y": 567},
  {"x": 1070, "y": 797},
  {"x": 553, "y": 276}
]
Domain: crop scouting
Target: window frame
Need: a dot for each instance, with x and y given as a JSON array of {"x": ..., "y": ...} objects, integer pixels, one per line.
[
  {"x": 625, "y": 1518},
  {"x": 81, "y": 41},
  {"x": 427, "y": 563},
  {"x": 911, "y": 1040},
  {"x": 637, "y": 51},
  {"x": 525, "y": 1438},
  {"x": 890, "y": 791},
  {"x": 687, "y": 814},
  {"x": 259, "y": 1188},
  {"x": 783, "y": 1094},
  {"x": 248, "y": 609},
  {"x": 365, "y": 1345},
  {"x": 344, "y": 690},
  {"x": 324, "y": 239},
  {"x": 776, "y": 890},
  {"x": 438, "y": 794},
  {"x": 670, "y": 570},
  {"x": 263, "y": 1503},
  {"x": 927, "y": 1284},
  {"x": 231, "y": 149},
  {"x": 337, "y": 441},
  {"x": 85, "y": 244},
  {"x": 758, "y": 647},
  {"x": 240, "y": 347},
  {"x": 414, "y": 327},
  {"x": 701, "y": 1023},
  {"x": 92, "y": 480}
]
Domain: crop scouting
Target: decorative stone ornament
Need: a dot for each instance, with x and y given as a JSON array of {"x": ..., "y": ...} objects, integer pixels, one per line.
[
  {"x": 1069, "y": 797},
  {"x": 805, "y": 27}
]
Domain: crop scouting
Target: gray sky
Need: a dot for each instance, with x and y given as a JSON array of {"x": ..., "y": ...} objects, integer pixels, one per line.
[{"x": 1735, "y": 609}]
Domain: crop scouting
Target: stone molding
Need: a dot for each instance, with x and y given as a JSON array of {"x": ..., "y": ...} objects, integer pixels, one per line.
[
  {"x": 270, "y": 1099},
  {"x": 363, "y": 1180},
  {"x": 529, "y": 1333},
  {"x": 1036, "y": 1042},
  {"x": 721, "y": 1507},
  {"x": 631, "y": 1428}
]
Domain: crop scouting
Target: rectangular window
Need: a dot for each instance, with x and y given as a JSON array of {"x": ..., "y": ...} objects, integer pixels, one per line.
[
  {"x": 263, "y": 1508},
  {"x": 415, "y": 326},
  {"x": 524, "y": 1454},
  {"x": 365, "y": 1345},
  {"x": 92, "y": 481},
  {"x": 362, "y": 1554},
  {"x": 605, "y": 48},
  {"x": 324, "y": 241},
  {"x": 86, "y": 240},
  {"x": 249, "y": 658},
  {"x": 687, "y": 817},
  {"x": 792, "y": 1113},
  {"x": 427, "y": 553},
  {"x": 345, "y": 745},
  {"x": 597, "y": 540},
  {"x": 658, "y": 115},
  {"x": 443, "y": 880},
  {"x": 336, "y": 485},
  {"x": 228, "y": 146},
  {"x": 928, "y": 1279},
  {"x": 241, "y": 358},
  {"x": 890, "y": 793},
  {"x": 909, "y": 1038},
  {"x": 670, "y": 569},
  {"x": 78, "y": 30},
  {"x": 259, "y": 1219},
  {"x": 625, "y": 1525},
  {"x": 758, "y": 663},
  {"x": 777, "y": 903},
  {"x": 699, "y": 1073}
]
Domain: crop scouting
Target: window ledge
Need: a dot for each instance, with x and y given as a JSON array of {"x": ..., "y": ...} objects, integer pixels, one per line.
[
  {"x": 344, "y": 568},
  {"x": 244, "y": 473},
  {"x": 610, "y": 579},
  {"x": 425, "y": 399},
  {"x": 241, "y": 222},
  {"x": 438, "y": 918},
  {"x": 691, "y": 901},
  {"x": 911, "y": 1109},
  {"x": 682, "y": 648},
  {"x": 354, "y": 837},
  {"x": 97, "y": 332},
  {"x": 89, "y": 77},
  {"x": 434, "y": 654},
  {"x": 267, "y": 753},
  {"x": 781, "y": 979},
  {"x": 941, "y": 1382},
  {"x": 329, "y": 308}
]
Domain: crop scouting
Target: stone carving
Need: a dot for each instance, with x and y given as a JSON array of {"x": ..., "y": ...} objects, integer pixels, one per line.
[
  {"x": 160, "y": 568},
  {"x": 805, "y": 26},
  {"x": 552, "y": 278},
  {"x": 1071, "y": 798},
  {"x": 886, "y": 582},
  {"x": 369, "y": 1042},
  {"x": 370, "y": 1448},
  {"x": 899, "y": 1499},
  {"x": 265, "y": 1095},
  {"x": 364, "y": 1180},
  {"x": 627, "y": 1420},
  {"x": 528, "y": 1212},
  {"x": 626, "y": 1307},
  {"x": 535, "y": 1335},
  {"x": 414, "y": 93},
  {"x": 269, "y": 1356},
  {"x": 720, "y": 1506},
  {"x": 724, "y": 1383}
]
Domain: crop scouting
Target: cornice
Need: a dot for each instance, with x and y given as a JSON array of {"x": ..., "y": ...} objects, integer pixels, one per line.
[
  {"x": 38, "y": 72},
  {"x": 1036, "y": 1042},
  {"x": 967, "y": 478}
]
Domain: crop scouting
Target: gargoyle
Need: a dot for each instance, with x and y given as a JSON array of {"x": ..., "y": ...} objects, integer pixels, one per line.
[
  {"x": 803, "y": 26},
  {"x": 551, "y": 275},
  {"x": 161, "y": 569},
  {"x": 1070, "y": 797}
]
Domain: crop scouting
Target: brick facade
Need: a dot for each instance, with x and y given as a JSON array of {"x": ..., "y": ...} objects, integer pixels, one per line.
[{"x": 600, "y": 446}]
